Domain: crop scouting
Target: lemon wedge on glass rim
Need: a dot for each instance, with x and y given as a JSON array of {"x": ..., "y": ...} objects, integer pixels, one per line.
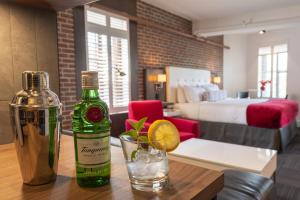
[{"x": 163, "y": 135}]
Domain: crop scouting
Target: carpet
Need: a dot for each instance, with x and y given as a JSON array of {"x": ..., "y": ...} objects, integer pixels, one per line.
[{"x": 287, "y": 186}]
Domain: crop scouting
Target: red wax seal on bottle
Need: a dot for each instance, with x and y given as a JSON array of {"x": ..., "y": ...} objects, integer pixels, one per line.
[{"x": 94, "y": 114}]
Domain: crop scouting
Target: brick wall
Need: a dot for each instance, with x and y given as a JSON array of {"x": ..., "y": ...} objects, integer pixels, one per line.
[
  {"x": 157, "y": 48},
  {"x": 66, "y": 62}
]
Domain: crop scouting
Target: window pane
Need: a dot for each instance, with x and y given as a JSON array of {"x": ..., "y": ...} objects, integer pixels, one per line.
[
  {"x": 280, "y": 48},
  {"x": 267, "y": 92},
  {"x": 264, "y": 50},
  {"x": 266, "y": 76},
  {"x": 120, "y": 72},
  {"x": 282, "y": 80},
  {"x": 276, "y": 73},
  {"x": 266, "y": 63},
  {"x": 117, "y": 23},
  {"x": 282, "y": 61},
  {"x": 96, "y": 18},
  {"x": 264, "y": 73},
  {"x": 98, "y": 61}
]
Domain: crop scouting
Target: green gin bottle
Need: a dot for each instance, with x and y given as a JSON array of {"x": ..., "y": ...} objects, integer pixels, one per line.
[{"x": 91, "y": 129}]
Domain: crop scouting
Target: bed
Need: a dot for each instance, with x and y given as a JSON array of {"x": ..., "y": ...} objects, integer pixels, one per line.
[
  {"x": 265, "y": 123},
  {"x": 232, "y": 110}
]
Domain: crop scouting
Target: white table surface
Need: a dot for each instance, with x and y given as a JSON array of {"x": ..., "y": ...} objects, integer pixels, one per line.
[{"x": 220, "y": 156}]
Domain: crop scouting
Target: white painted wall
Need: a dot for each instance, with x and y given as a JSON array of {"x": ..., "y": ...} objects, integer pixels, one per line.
[
  {"x": 240, "y": 62},
  {"x": 292, "y": 38},
  {"x": 235, "y": 64}
]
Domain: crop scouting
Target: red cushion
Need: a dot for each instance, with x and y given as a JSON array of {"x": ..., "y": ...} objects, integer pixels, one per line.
[
  {"x": 185, "y": 125},
  {"x": 186, "y": 135},
  {"x": 152, "y": 109}
]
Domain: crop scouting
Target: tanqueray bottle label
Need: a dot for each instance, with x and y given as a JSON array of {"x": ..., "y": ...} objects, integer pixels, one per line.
[{"x": 93, "y": 150}]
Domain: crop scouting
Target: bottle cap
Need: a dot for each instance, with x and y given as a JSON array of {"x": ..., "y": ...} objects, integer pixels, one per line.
[{"x": 89, "y": 80}]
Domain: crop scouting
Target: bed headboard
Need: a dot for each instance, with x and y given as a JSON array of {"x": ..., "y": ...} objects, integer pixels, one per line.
[{"x": 184, "y": 76}]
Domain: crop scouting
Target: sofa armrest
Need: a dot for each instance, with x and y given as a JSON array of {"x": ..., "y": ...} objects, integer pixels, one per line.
[
  {"x": 185, "y": 125},
  {"x": 129, "y": 127}
]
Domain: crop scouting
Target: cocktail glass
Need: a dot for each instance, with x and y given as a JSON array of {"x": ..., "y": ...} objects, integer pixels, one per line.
[{"x": 147, "y": 166}]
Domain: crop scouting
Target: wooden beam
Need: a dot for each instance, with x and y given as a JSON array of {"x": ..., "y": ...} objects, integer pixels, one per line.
[{"x": 158, "y": 26}]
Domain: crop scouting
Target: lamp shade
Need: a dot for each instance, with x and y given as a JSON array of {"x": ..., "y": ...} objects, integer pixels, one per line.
[
  {"x": 161, "y": 78},
  {"x": 217, "y": 79},
  {"x": 152, "y": 78}
]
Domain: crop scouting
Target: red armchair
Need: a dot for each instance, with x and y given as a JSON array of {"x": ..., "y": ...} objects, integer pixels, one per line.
[{"x": 153, "y": 110}]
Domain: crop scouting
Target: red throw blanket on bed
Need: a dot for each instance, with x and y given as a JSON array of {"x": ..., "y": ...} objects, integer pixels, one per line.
[{"x": 275, "y": 113}]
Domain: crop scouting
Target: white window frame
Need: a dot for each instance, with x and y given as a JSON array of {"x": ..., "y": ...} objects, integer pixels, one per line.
[
  {"x": 110, "y": 32},
  {"x": 272, "y": 54}
]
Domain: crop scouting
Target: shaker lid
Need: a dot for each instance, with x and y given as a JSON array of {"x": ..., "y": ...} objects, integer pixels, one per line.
[
  {"x": 89, "y": 80},
  {"x": 35, "y": 80},
  {"x": 36, "y": 92}
]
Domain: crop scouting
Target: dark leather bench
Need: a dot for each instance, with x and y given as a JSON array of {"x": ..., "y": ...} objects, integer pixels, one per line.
[{"x": 246, "y": 186}]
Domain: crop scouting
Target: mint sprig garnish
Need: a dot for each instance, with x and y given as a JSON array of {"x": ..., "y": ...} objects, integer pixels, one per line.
[
  {"x": 135, "y": 133},
  {"x": 137, "y": 127}
]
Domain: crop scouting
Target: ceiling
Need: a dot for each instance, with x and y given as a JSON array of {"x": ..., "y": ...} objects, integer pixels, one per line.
[{"x": 213, "y": 9}]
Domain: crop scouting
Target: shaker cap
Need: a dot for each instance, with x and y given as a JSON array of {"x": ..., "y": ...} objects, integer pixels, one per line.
[
  {"x": 35, "y": 80},
  {"x": 89, "y": 80},
  {"x": 36, "y": 92}
]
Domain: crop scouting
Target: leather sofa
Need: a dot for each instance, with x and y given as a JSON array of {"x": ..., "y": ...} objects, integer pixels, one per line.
[{"x": 246, "y": 186}]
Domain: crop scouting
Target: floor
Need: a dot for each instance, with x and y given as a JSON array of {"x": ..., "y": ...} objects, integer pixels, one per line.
[{"x": 288, "y": 172}]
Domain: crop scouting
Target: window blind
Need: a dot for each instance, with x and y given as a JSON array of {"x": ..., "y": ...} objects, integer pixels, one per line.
[
  {"x": 96, "y": 18},
  {"x": 118, "y": 23},
  {"x": 98, "y": 61},
  {"x": 119, "y": 55},
  {"x": 108, "y": 53}
]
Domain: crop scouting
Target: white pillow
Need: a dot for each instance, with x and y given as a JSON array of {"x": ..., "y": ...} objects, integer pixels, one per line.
[
  {"x": 216, "y": 95},
  {"x": 210, "y": 87},
  {"x": 180, "y": 95},
  {"x": 193, "y": 94}
]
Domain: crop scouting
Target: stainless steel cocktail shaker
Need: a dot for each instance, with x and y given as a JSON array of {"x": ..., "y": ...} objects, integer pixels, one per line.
[{"x": 36, "y": 121}]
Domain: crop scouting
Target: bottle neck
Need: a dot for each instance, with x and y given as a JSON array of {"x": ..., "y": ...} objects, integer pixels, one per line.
[{"x": 90, "y": 94}]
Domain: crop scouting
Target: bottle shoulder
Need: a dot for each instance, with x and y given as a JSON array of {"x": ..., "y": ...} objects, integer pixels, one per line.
[{"x": 82, "y": 106}]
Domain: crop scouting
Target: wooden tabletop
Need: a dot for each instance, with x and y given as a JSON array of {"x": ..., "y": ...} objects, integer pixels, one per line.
[{"x": 186, "y": 181}]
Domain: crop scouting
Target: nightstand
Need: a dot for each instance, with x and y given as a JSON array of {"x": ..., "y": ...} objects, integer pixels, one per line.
[
  {"x": 171, "y": 113},
  {"x": 167, "y": 104}
]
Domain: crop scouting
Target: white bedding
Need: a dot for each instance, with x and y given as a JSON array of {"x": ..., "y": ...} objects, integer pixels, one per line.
[{"x": 227, "y": 111}]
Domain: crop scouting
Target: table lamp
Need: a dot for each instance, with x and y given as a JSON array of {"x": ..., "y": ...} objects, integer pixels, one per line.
[{"x": 217, "y": 79}]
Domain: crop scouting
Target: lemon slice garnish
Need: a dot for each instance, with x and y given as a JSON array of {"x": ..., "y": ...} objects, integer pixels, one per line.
[{"x": 163, "y": 135}]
